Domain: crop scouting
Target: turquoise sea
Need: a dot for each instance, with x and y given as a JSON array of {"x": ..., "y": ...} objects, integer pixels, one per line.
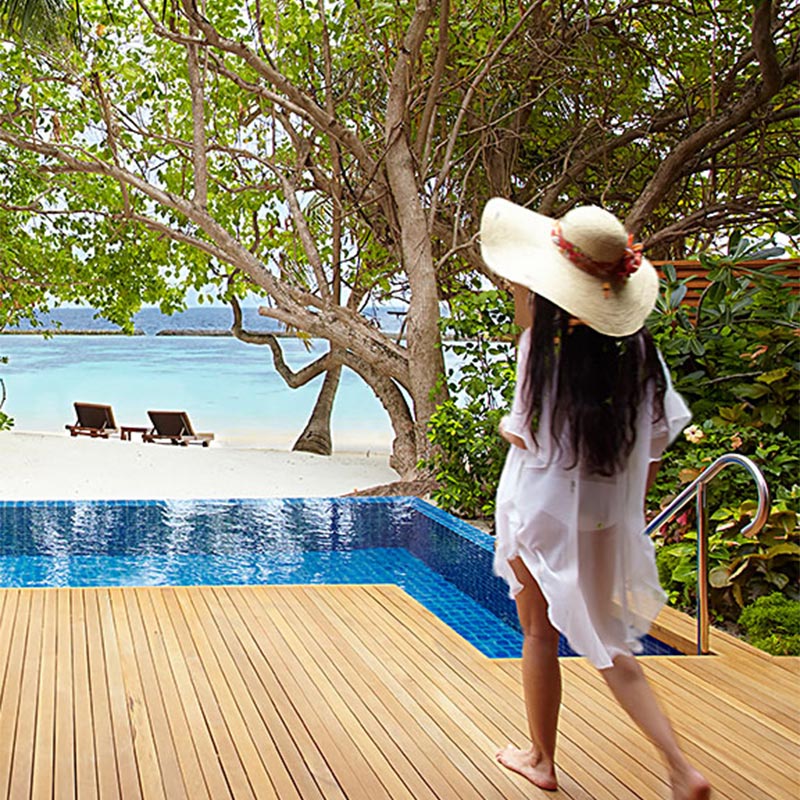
[{"x": 227, "y": 386}]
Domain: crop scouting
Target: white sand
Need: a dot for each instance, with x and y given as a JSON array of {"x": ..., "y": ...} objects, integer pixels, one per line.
[{"x": 47, "y": 466}]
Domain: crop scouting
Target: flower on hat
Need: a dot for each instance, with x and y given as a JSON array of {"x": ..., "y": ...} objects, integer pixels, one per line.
[{"x": 620, "y": 269}]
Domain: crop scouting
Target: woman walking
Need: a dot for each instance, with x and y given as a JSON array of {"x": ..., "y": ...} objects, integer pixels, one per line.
[{"x": 593, "y": 411}]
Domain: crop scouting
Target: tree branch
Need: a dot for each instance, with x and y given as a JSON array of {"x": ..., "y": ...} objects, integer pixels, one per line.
[
  {"x": 765, "y": 47},
  {"x": 294, "y": 380},
  {"x": 674, "y": 165},
  {"x": 199, "y": 157}
]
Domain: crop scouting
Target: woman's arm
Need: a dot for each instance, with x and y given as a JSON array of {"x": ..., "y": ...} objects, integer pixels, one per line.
[
  {"x": 522, "y": 306},
  {"x": 652, "y": 471},
  {"x": 517, "y": 441}
]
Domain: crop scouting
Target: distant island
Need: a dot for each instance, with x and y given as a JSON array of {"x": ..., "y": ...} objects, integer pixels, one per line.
[{"x": 107, "y": 332}]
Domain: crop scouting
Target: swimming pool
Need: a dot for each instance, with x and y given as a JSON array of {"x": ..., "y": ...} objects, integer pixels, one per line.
[{"x": 439, "y": 560}]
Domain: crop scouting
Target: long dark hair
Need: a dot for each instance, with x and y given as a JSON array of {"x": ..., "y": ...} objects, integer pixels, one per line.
[{"x": 597, "y": 382}]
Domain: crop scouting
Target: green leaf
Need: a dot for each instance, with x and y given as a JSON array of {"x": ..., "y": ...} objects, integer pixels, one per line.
[
  {"x": 719, "y": 577},
  {"x": 774, "y": 375},
  {"x": 754, "y": 391}
]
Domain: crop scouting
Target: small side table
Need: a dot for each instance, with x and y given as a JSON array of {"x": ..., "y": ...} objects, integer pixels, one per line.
[{"x": 125, "y": 431}]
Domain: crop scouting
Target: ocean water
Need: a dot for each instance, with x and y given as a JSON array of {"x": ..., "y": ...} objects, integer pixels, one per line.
[
  {"x": 151, "y": 321},
  {"x": 227, "y": 386}
]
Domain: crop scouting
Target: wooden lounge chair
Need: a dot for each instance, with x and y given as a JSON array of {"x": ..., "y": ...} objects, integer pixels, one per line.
[
  {"x": 175, "y": 427},
  {"x": 93, "y": 419}
]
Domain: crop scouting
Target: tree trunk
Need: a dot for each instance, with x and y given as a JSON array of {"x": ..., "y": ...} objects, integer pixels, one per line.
[
  {"x": 425, "y": 359},
  {"x": 316, "y": 437}
]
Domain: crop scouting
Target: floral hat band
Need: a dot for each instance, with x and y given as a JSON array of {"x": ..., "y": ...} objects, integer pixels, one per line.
[
  {"x": 618, "y": 270},
  {"x": 585, "y": 262}
]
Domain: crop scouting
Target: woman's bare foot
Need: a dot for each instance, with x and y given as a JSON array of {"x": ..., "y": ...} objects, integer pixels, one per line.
[
  {"x": 690, "y": 785},
  {"x": 529, "y": 764}
]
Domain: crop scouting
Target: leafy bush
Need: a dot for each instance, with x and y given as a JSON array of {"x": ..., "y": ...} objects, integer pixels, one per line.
[
  {"x": 741, "y": 568},
  {"x": 6, "y": 422},
  {"x": 772, "y": 623},
  {"x": 735, "y": 356},
  {"x": 468, "y": 453},
  {"x": 775, "y": 453},
  {"x": 735, "y": 360}
]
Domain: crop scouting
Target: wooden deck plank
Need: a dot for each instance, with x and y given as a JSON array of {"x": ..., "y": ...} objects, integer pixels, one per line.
[
  {"x": 102, "y": 725},
  {"x": 734, "y": 716},
  {"x": 266, "y": 767},
  {"x": 578, "y": 774},
  {"x": 137, "y": 762},
  {"x": 203, "y": 681},
  {"x": 312, "y": 773},
  {"x": 505, "y": 706},
  {"x": 454, "y": 723},
  {"x": 44, "y": 745},
  {"x": 304, "y": 636},
  {"x": 340, "y": 693},
  {"x": 86, "y": 783},
  {"x": 761, "y": 771},
  {"x": 728, "y": 782},
  {"x": 352, "y": 678},
  {"x": 24, "y": 739},
  {"x": 64, "y": 736},
  {"x": 347, "y": 763},
  {"x": 180, "y": 766},
  {"x": 375, "y": 688},
  {"x": 175, "y": 676},
  {"x": 722, "y": 741},
  {"x": 489, "y": 716},
  {"x": 725, "y": 674},
  {"x": 586, "y": 692},
  {"x": 16, "y": 615},
  {"x": 144, "y": 706}
]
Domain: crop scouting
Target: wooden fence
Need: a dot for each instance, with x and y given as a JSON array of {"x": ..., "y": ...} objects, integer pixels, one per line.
[{"x": 788, "y": 268}]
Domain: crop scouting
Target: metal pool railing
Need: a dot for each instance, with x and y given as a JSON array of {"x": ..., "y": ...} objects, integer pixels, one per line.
[{"x": 697, "y": 488}]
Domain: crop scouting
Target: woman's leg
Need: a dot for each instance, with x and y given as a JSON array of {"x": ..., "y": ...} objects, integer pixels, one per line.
[
  {"x": 628, "y": 683},
  {"x": 541, "y": 682}
]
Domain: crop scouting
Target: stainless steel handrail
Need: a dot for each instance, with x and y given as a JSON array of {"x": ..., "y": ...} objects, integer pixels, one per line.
[{"x": 698, "y": 487}]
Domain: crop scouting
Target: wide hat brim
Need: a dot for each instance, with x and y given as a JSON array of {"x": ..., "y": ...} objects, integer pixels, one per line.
[{"x": 516, "y": 244}]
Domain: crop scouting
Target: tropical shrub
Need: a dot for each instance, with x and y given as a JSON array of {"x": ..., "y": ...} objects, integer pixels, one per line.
[
  {"x": 735, "y": 359},
  {"x": 6, "y": 422},
  {"x": 772, "y": 623},
  {"x": 742, "y": 567},
  {"x": 468, "y": 453}
]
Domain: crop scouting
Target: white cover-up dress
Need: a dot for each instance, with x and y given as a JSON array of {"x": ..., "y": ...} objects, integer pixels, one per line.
[{"x": 580, "y": 535}]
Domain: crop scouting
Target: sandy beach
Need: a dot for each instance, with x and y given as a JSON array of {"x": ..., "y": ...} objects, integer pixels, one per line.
[{"x": 50, "y": 466}]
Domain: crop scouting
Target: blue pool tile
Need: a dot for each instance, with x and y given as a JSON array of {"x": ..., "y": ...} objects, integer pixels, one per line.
[{"x": 442, "y": 562}]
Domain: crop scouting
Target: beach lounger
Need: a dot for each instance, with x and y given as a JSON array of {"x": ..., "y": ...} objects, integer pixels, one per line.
[
  {"x": 175, "y": 427},
  {"x": 93, "y": 419}
]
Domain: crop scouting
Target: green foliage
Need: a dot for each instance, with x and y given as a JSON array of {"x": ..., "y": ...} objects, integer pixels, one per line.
[
  {"x": 775, "y": 453},
  {"x": 741, "y": 568},
  {"x": 45, "y": 20},
  {"x": 468, "y": 453},
  {"x": 6, "y": 422},
  {"x": 735, "y": 357},
  {"x": 772, "y": 623}
]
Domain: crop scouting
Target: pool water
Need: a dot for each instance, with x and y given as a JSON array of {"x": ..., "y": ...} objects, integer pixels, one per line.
[{"x": 442, "y": 562}]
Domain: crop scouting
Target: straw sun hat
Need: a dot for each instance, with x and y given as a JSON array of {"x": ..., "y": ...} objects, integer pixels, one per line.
[{"x": 586, "y": 263}]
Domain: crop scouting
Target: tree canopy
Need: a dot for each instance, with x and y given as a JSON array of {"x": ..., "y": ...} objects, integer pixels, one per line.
[{"x": 327, "y": 154}]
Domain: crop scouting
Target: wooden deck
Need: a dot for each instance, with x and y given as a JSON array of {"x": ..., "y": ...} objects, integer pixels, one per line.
[{"x": 340, "y": 692}]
